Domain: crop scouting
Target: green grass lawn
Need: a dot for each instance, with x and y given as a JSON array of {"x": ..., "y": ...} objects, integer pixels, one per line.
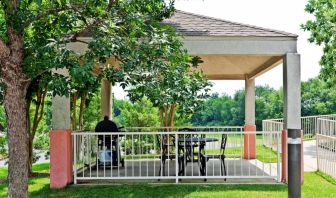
[{"x": 316, "y": 185}]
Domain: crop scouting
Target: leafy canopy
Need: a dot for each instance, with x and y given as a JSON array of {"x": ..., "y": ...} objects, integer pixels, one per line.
[
  {"x": 322, "y": 32},
  {"x": 167, "y": 74}
]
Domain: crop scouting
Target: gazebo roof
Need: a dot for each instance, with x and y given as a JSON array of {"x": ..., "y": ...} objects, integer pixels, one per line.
[
  {"x": 190, "y": 24},
  {"x": 230, "y": 50}
]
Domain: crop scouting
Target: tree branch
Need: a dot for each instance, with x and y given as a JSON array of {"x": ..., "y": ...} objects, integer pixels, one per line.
[
  {"x": 98, "y": 21},
  {"x": 78, "y": 40}
]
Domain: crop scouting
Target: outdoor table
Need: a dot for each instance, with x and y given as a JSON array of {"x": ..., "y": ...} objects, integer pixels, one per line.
[{"x": 188, "y": 145}]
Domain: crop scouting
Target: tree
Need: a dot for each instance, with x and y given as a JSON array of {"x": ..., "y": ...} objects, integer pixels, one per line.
[
  {"x": 322, "y": 32},
  {"x": 63, "y": 22},
  {"x": 167, "y": 76},
  {"x": 318, "y": 97},
  {"x": 140, "y": 114}
]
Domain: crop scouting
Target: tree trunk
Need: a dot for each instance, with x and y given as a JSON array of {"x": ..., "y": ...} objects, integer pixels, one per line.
[
  {"x": 38, "y": 115},
  {"x": 15, "y": 105},
  {"x": 171, "y": 115},
  {"x": 74, "y": 102},
  {"x": 81, "y": 111}
]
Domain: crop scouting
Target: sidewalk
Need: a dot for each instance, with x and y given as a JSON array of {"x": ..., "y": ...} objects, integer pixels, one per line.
[{"x": 310, "y": 160}]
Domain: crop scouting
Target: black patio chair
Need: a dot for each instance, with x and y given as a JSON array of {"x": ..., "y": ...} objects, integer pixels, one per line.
[
  {"x": 165, "y": 154},
  {"x": 190, "y": 145},
  {"x": 204, "y": 158}
]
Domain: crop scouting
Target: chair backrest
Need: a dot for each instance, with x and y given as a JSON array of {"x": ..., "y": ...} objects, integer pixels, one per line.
[
  {"x": 223, "y": 143},
  {"x": 186, "y": 135}
]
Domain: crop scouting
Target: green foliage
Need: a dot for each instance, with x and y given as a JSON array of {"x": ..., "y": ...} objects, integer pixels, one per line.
[
  {"x": 92, "y": 113},
  {"x": 318, "y": 98},
  {"x": 229, "y": 111},
  {"x": 166, "y": 75},
  {"x": 322, "y": 32},
  {"x": 139, "y": 114}
]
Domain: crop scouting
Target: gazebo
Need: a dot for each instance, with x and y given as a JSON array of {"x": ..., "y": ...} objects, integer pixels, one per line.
[{"x": 230, "y": 51}]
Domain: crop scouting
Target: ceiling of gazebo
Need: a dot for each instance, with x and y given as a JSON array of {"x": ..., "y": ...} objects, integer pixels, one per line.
[{"x": 237, "y": 67}]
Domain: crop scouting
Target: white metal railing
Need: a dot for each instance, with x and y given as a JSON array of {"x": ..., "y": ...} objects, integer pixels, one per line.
[
  {"x": 272, "y": 125},
  {"x": 184, "y": 128},
  {"x": 309, "y": 125},
  {"x": 176, "y": 155},
  {"x": 326, "y": 127},
  {"x": 326, "y": 154}
]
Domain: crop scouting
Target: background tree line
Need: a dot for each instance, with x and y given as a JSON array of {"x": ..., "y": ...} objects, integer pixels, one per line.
[{"x": 220, "y": 110}]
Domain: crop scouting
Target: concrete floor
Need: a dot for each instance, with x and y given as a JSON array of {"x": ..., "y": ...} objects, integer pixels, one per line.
[
  {"x": 310, "y": 159},
  {"x": 235, "y": 167},
  {"x": 252, "y": 170}
]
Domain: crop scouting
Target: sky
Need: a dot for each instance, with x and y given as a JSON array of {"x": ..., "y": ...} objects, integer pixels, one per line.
[{"x": 285, "y": 15}]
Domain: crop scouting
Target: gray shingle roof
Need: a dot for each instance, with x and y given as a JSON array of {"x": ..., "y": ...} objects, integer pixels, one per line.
[{"x": 190, "y": 24}]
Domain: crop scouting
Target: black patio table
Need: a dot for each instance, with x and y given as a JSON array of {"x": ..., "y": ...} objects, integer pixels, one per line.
[{"x": 197, "y": 139}]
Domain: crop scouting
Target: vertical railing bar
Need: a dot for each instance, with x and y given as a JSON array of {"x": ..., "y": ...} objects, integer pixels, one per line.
[
  {"x": 97, "y": 158},
  {"x": 248, "y": 152},
  {"x": 125, "y": 158},
  {"x": 168, "y": 152},
  {"x": 185, "y": 154},
  {"x": 241, "y": 152},
  {"x": 263, "y": 149},
  {"x": 90, "y": 154},
  {"x": 140, "y": 156},
  {"x": 132, "y": 155},
  {"x": 234, "y": 151},
  {"x": 147, "y": 153},
  {"x": 161, "y": 154},
  {"x": 75, "y": 158},
  {"x": 155, "y": 139},
  {"x": 111, "y": 142},
  {"x": 176, "y": 158},
  {"x": 104, "y": 152},
  {"x": 118, "y": 153},
  {"x": 192, "y": 154},
  {"x": 213, "y": 159},
  {"x": 206, "y": 164},
  {"x": 255, "y": 160}
]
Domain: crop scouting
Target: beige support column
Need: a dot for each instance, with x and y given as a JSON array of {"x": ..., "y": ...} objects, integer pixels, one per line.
[
  {"x": 292, "y": 112},
  {"x": 249, "y": 139},
  {"x": 249, "y": 102},
  {"x": 61, "y": 108},
  {"x": 60, "y": 141},
  {"x": 106, "y": 98}
]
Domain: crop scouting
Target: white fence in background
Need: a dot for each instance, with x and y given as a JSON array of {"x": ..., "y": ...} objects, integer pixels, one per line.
[
  {"x": 175, "y": 154},
  {"x": 272, "y": 125},
  {"x": 310, "y": 126},
  {"x": 326, "y": 154},
  {"x": 326, "y": 127}
]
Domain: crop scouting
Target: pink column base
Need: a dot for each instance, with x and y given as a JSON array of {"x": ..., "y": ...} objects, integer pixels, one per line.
[
  {"x": 249, "y": 142},
  {"x": 284, "y": 156},
  {"x": 60, "y": 158},
  {"x": 284, "y": 152}
]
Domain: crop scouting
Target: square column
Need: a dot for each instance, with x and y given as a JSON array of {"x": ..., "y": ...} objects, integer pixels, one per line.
[
  {"x": 249, "y": 139},
  {"x": 60, "y": 141},
  {"x": 292, "y": 123},
  {"x": 106, "y": 98}
]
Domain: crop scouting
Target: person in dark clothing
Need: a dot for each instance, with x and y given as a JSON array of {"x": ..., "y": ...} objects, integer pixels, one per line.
[
  {"x": 108, "y": 144},
  {"x": 106, "y": 125}
]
